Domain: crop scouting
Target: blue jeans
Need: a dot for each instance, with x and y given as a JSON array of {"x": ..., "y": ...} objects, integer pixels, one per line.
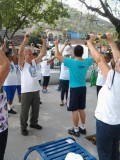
[{"x": 108, "y": 137}]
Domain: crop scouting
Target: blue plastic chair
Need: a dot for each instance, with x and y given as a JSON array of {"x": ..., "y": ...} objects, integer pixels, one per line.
[{"x": 58, "y": 149}]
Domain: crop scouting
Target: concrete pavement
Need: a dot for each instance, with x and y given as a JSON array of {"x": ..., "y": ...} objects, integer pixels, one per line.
[{"x": 55, "y": 121}]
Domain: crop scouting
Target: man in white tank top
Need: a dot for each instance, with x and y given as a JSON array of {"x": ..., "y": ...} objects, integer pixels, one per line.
[
  {"x": 10, "y": 83},
  {"x": 29, "y": 85}
]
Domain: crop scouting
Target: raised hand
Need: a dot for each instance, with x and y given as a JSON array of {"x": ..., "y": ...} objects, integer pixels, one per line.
[
  {"x": 56, "y": 42},
  {"x": 92, "y": 38},
  {"x": 109, "y": 37},
  {"x": 44, "y": 39},
  {"x": 27, "y": 35}
]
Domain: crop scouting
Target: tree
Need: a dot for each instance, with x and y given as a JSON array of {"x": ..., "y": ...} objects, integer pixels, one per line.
[
  {"x": 15, "y": 15},
  {"x": 81, "y": 21},
  {"x": 108, "y": 9}
]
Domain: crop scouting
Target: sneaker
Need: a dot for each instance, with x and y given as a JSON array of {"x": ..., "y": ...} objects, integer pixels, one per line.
[
  {"x": 72, "y": 132},
  {"x": 37, "y": 126},
  {"x": 44, "y": 91},
  {"x": 12, "y": 111},
  {"x": 82, "y": 131},
  {"x": 24, "y": 132}
]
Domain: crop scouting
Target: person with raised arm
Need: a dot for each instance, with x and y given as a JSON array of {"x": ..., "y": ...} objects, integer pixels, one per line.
[
  {"x": 45, "y": 70},
  {"x": 78, "y": 68},
  {"x": 4, "y": 70},
  {"x": 10, "y": 83},
  {"x": 107, "y": 112},
  {"x": 64, "y": 75},
  {"x": 29, "y": 85}
]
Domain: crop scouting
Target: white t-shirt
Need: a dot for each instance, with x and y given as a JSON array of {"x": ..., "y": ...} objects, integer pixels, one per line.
[
  {"x": 64, "y": 73},
  {"x": 45, "y": 68},
  {"x": 100, "y": 79},
  {"x": 108, "y": 105},
  {"x": 18, "y": 74},
  {"x": 3, "y": 112},
  {"x": 29, "y": 79},
  {"x": 39, "y": 74},
  {"x": 11, "y": 78}
]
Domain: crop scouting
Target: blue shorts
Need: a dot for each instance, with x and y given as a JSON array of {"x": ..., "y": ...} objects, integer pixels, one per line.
[
  {"x": 10, "y": 92},
  {"x": 18, "y": 88},
  {"x": 77, "y": 99}
]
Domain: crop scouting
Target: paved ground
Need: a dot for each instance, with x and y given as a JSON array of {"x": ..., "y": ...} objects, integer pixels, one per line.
[{"x": 55, "y": 121}]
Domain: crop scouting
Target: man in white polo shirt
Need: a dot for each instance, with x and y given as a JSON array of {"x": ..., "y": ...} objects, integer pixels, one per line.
[{"x": 29, "y": 85}]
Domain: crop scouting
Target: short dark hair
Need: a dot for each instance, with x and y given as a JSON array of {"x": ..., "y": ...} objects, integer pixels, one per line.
[
  {"x": 109, "y": 55},
  {"x": 35, "y": 54},
  {"x": 78, "y": 51},
  {"x": 7, "y": 53}
]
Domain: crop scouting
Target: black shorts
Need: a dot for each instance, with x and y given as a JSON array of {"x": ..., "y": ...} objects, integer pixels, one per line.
[{"x": 77, "y": 99}]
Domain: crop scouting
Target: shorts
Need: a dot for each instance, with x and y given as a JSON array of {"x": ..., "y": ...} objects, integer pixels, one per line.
[
  {"x": 77, "y": 99},
  {"x": 10, "y": 92},
  {"x": 18, "y": 88}
]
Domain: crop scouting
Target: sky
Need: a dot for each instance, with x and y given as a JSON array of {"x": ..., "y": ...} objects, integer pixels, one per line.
[{"x": 72, "y": 3}]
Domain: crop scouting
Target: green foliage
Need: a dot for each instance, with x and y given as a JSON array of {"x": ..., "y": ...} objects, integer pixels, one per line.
[
  {"x": 15, "y": 15},
  {"x": 35, "y": 39},
  {"x": 54, "y": 10}
]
